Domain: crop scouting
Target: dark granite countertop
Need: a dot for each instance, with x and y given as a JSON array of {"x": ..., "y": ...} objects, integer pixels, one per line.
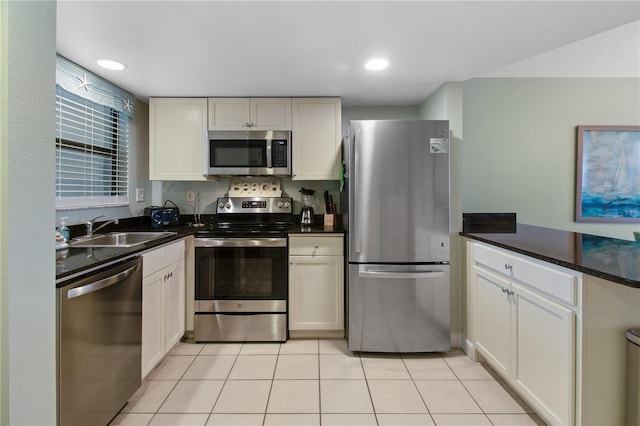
[
  {"x": 317, "y": 227},
  {"x": 73, "y": 261},
  {"x": 611, "y": 259}
]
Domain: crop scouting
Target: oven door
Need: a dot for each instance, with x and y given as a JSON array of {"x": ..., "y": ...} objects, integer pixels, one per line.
[{"x": 230, "y": 272}]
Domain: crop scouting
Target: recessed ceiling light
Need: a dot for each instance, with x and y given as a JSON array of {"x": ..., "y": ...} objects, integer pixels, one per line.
[
  {"x": 110, "y": 64},
  {"x": 376, "y": 64}
]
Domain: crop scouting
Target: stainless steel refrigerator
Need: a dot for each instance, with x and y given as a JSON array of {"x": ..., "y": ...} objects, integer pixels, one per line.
[{"x": 396, "y": 214}]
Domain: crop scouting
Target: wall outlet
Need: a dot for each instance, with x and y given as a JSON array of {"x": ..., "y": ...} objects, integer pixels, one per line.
[
  {"x": 191, "y": 196},
  {"x": 140, "y": 194}
]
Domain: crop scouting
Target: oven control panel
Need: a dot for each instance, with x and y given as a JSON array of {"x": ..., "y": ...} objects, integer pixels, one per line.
[{"x": 254, "y": 205}]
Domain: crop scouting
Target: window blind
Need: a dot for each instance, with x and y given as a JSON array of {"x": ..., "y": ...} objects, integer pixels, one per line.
[
  {"x": 92, "y": 160},
  {"x": 92, "y": 139}
]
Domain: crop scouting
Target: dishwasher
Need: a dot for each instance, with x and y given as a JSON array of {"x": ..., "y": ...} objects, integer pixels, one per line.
[{"x": 99, "y": 343}]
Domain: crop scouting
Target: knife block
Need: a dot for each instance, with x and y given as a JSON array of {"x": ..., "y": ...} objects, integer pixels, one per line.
[{"x": 329, "y": 220}]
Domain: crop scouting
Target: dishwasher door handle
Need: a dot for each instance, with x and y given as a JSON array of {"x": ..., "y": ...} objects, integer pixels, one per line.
[
  {"x": 400, "y": 274},
  {"x": 98, "y": 285}
]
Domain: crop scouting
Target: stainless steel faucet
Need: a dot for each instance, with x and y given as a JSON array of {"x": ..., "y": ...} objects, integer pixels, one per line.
[{"x": 90, "y": 223}]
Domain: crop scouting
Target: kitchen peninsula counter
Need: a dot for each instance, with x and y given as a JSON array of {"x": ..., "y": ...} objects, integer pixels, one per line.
[{"x": 611, "y": 259}]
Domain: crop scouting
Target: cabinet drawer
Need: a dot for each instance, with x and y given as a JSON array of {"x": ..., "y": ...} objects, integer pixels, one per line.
[
  {"x": 153, "y": 261},
  {"x": 552, "y": 280},
  {"x": 175, "y": 252},
  {"x": 157, "y": 259},
  {"x": 315, "y": 245},
  {"x": 558, "y": 284}
]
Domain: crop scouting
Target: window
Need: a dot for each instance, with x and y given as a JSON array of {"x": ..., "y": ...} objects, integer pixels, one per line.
[{"x": 92, "y": 143}]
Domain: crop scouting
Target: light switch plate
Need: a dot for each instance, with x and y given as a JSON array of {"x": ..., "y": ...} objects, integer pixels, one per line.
[{"x": 140, "y": 194}]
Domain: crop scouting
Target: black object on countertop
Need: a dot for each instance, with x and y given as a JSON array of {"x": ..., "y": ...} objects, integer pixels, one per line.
[{"x": 489, "y": 222}]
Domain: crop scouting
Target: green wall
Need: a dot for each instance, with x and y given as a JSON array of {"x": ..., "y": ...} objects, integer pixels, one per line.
[
  {"x": 27, "y": 255},
  {"x": 519, "y": 151}
]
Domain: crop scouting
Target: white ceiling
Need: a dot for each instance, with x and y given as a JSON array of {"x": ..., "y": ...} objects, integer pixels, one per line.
[{"x": 307, "y": 48}]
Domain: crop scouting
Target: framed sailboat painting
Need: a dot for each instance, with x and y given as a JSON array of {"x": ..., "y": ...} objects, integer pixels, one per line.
[{"x": 608, "y": 174}]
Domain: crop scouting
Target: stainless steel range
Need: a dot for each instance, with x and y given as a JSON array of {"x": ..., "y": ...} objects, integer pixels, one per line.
[{"x": 241, "y": 272}]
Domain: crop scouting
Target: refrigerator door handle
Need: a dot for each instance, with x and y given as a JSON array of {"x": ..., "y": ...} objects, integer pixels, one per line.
[
  {"x": 354, "y": 174},
  {"x": 400, "y": 274}
]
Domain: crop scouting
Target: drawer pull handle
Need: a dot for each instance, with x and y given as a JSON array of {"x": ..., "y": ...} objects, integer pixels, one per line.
[
  {"x": 316, "y": 246},
  {"x": 507, "y": 291},
  {"x": 507, "y": 266}
]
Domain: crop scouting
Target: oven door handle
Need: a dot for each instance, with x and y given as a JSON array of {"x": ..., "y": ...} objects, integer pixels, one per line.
[{"x": 240, "y": 242}]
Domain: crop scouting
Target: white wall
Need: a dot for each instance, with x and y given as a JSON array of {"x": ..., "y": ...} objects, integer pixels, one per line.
[
  {"x": 27, "y": 336},
  {"x": 520, "y": 144},
  {"x": 377, "y": 113}
]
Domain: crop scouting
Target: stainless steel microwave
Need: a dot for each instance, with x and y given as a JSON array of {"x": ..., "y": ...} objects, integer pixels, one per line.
[{"x": 250, "y": 153}]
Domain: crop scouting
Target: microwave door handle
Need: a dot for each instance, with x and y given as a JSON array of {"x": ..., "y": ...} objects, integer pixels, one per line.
[{"x": 269, "y": 162}]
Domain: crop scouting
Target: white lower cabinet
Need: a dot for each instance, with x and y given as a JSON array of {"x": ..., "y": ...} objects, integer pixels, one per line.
[
  {"x": 316, "y": 285},
  {"x": 163, "y": 302},
  {"x": 525, "y": 319},
  {"x": 494, "y": 320},
  {"x": 174, "y": 304},
  {"x": 545, "y": 348}
]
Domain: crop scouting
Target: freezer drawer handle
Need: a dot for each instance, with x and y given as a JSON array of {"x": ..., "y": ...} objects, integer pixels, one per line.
[{"x": 400, "y": 274}]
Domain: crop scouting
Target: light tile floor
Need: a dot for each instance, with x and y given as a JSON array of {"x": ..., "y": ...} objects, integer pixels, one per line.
[{"x": 319, "y": 382}]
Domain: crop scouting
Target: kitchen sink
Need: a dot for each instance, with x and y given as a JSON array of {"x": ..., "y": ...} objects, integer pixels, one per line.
[{"x": 119, "y": 239}]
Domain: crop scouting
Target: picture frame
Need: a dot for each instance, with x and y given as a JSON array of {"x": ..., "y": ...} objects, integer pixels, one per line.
[{"x": 608, "y": 174}]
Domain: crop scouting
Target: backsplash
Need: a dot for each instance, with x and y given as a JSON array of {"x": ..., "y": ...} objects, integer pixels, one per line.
[{"x": 211, "y": 190}]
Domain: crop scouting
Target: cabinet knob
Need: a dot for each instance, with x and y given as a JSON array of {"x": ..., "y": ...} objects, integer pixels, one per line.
[
  {"x": 316, "y": 246},
  {"x": 291, "y": 262},
  {"x": 507, "y": 266}
]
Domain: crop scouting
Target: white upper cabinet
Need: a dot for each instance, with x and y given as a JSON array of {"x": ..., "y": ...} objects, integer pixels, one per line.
[
  {"x": 177, "y": 138},
  {"x": 249, "y": 113},
  {"x": 316, "y": 137}
]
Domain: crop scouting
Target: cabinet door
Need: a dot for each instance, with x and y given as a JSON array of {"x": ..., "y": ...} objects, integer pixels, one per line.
[
  {"x": 177, "y": 138},
  {"x": 545, "y": 346},
  {"x": 271, "y": 113},
  {"x": 316, "y": 124},
  {"x": 494, "y": 320},
  {"x": 174, "y": 303},
  {"x": 153, "y": 343},
  {"x": 316, "y": 293},
  {"x": 229, "y": 113}
]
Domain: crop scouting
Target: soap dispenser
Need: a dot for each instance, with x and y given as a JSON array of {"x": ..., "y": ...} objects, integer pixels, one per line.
[{"x": 63, "y": 230}]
